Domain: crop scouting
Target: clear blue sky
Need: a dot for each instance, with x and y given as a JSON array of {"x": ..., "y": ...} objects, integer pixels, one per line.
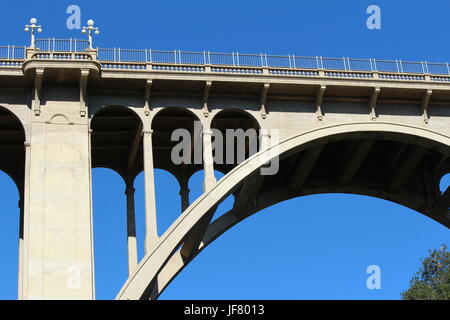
[{"x": 315, "y": 247}]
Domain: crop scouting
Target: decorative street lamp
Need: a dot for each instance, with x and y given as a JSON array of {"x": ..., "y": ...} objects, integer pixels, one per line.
[
  {"x": 32, "y": 27},
  {"x": 89, "y": 30}
]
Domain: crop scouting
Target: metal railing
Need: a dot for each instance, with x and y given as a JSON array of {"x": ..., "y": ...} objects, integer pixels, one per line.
[
  {"x": 235, "y": 59},
  {"x": 272, "y": 61},
  {"x": 61, "y": 45},
  {"x": 12, "y": 52}
]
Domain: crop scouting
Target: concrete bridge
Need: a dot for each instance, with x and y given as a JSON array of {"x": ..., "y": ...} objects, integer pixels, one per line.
[{"x": 370, "y": 127}]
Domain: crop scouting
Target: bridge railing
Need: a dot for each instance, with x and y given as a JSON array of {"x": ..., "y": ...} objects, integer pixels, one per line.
[
  {"x": 61, "y": 45},
  {"x": 12, "y": 52},
  {"x": 272, "y": 61},
  {"x": 178, "y": 57}
]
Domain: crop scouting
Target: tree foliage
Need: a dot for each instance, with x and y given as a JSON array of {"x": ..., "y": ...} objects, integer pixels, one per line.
[{"x": 432, "y": 281}]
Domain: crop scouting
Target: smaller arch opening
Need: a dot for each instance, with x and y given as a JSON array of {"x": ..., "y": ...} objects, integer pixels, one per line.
[
  {"x": 12, "y": 149},
  {"x": 235, "y": 138},
  {"x": 117, "y": 140},
  {"x": 181, "y": 155},
  {"x": 116, "y": 145}
]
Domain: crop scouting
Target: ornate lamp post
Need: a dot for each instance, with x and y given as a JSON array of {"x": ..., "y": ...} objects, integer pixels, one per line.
[
  {"x": 31, "y": 28},
  {"x": 89, "y": 30}
]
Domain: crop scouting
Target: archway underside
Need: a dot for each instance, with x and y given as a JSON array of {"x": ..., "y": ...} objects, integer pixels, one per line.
[
  {"x": 392, "y": 162},
  {"x": 12, "y": 162},
  {"x": 116, "y": 141},
  {"x": 12, "y": 148}
]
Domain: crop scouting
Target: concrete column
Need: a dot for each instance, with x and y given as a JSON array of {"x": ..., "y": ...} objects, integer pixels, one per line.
[
  {"x": 91, "y": 205},
  {"x": 131, "y": 228},
  {"x": 184, "y": 192},
  {"x": 21, "y": 245},
  {"x": 23, "y": 234},
  {"x": 151, "y": 231},
  {"x": 208, "y": 161},
  {"x": 58, "y": 255}
]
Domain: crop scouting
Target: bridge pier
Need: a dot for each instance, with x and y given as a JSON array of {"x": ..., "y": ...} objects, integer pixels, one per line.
[{"x": 57, "y": 258}]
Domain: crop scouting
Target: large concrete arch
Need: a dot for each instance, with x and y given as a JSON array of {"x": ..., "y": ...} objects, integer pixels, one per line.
[{"x": 163, "y": 263}]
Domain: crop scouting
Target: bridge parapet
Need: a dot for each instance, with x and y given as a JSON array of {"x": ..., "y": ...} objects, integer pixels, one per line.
[{"x": 177, "y": 61}]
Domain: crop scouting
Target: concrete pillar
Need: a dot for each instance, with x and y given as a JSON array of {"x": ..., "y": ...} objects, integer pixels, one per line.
[
  {"x": 21, "y": 245},
  {"x": 208, "y": 161},
  {"x": 151, "y": 231},
  {"x": 131, "y": 228},
  {"x": 58, "y": 255},
  {"x": 23, "y": 235}
]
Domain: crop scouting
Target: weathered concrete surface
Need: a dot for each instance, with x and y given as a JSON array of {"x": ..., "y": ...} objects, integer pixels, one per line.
[{"x": 59, "y": 252}]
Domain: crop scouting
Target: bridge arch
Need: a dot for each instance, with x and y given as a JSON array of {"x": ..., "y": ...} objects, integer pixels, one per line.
[
  {"x": 253, "y": 115},
  {"x": 163, "y": 263},
  {"x": 245, "y": 114},
  {"x": 116, "y": 133},
  {"x": 163, "y": 123},
  {"x": 174, "y": 110},
  {"x": 12, "y": 163},
  {"x": 12, "y": 148},
  {"x": 20, "y": 114},
  {"x": 235, "y": 119},
  {"x": 117, "y": 143}
]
